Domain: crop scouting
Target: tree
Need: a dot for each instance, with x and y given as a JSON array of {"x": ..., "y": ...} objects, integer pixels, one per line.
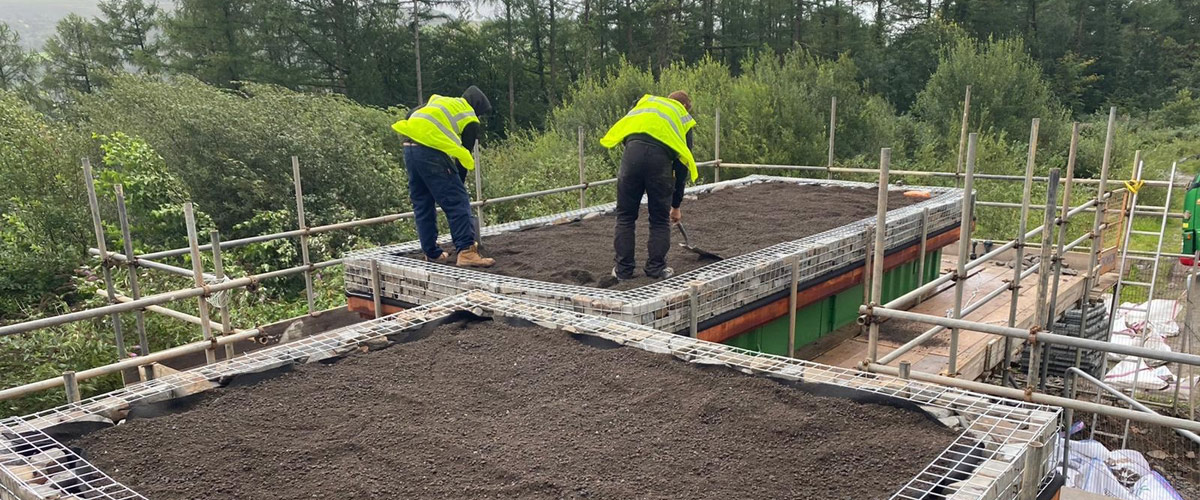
[
  {"x": 76, "y": 57},
  {"x": 131, "y": 28},
  {"x": 880, "y": 24},
  {"x": 416, "y": 28},
  {"x": 328, "y": 45},
  {"x": 1183, "y": 110},
  {"x": 154, "y": 196},
  {"x": 16, "y": 65},
  {"x": 664, "y": 16},
  {"x": 535, "y": 26},
  {"x": 278, "y": 33},
  {"x": 512, "y": 61},
  {"x": 553, "y": 43},
  {"x": 210, "y": 39},
  {"x": 912, "y": 57},
  {"x": 910, "y": 10},
  {"x": 426, "y": 13},
  {"x": 1071, "y": 79},
  {"x": 378, "y": 52},
  {"x": 839, "y": 30},
  {"x": 1007, "y": 91}
]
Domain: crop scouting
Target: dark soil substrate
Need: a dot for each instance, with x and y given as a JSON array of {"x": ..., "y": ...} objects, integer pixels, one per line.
[
  {"x": 901, "y": 331},
  {"x": 494, "y": 411},
  {"x": 730, "y": 222}
]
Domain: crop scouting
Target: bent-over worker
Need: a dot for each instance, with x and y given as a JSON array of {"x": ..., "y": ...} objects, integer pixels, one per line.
[
  {"x": 437, "y": 155},
  {"x": 657, "y": 161}
]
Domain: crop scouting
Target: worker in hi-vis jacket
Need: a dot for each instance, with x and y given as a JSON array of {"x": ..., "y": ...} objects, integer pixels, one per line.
[
  {"x": 437, "y": 155},
  {"x": 657, "y": 161}
]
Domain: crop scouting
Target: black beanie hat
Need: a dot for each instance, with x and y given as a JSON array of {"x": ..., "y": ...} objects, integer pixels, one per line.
[{"x": 478, "y": 101}]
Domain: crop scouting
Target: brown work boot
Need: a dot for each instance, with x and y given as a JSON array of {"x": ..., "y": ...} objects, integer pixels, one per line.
[
  {"x": 444, "y": 258},
  {"x": 470, "y": 257}
]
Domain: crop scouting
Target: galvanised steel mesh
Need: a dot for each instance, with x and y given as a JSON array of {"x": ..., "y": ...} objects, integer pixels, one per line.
[
  {"x": 985, "y": 462},
  {"x": 721, "y": 287}
]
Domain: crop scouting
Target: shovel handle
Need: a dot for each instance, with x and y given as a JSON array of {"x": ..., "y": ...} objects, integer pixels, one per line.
[{"x": 683, "y": 231}]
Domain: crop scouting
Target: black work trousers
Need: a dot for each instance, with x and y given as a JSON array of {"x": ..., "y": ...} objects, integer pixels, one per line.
[{"x": 645, "y": 169}]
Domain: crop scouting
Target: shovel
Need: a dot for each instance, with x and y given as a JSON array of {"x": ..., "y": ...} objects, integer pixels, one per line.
[{"x": 687, "y": 244}]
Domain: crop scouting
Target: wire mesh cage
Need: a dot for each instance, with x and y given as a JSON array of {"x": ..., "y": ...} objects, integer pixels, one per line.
[
  {"x": 1150, "y": 306},
  {"x": 720, "y": 287},
  {"x": 1154, "y": 309},
  {"x": 998, "y": 443},
  {"x": 1130, "y": 459}
]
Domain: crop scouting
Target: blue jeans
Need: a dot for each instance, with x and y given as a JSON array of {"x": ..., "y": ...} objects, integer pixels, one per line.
[{"x": 433, "y": 178}]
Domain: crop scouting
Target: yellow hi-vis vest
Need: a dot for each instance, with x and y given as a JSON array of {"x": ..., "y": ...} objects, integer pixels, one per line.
[
  {"x": 439, "y": 125},
  {"x": 661, "y": 118}
]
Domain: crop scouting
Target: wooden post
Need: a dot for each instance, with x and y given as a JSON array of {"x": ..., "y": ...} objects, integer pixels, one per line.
[
  {"x": 795, "y": 265},
  {"x": 219, "y": 271},
  {"x": 1031, "y": 476},
  {"x": 885, "y": 160},
  {"x": 98, "y": 227},
  {"x": 1019, "y": 260},
  {"x": 478, "y": 194},
  {"x": 198, "y": 271},
  {"x": 717, "y": 147},
  {"x": 964, "y": 247},
  {"x": 962, "y": 137},
  {"x": 135, "y": 289},
  {"x": 693, "y": 308},
  {"x": 1063, "y": 220},
  {"x": 1043, "y": 318},
  {"x": 308, "y": 279},
  {"x": 1097, "y": 242},
  {"x": 832, "y": 133},
  {"x": 71, "y": 385},
  {"x": 376, "y": 289},
  {"x": 582, "y": 174}
]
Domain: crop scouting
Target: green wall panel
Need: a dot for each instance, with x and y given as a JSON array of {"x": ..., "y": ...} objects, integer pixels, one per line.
[
  {"x": 819, "y": 319},
  {"x": 845, "y": 305},
  {"x": 748, "y": 340}
]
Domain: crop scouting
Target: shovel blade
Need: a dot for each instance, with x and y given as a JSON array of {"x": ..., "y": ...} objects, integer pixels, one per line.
[
  {"x": 687, "y": 245},
  {"x": 704, "y": 254}
]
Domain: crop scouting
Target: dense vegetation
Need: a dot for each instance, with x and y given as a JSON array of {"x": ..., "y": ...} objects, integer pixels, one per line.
[
  {"x": 530, "y": 53},
  {"x": 208, "y": 102}
]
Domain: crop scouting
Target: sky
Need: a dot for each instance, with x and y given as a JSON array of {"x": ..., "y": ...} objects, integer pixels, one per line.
[{"x": 35, "y": 19}]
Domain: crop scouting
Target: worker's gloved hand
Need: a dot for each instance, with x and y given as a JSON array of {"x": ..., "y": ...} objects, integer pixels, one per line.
[
  {"x": 462, "y": 173},
  {"x": 676, "y": 216}
]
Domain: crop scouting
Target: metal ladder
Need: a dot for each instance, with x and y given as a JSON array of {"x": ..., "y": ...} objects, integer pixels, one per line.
[{"x": 1123, "y": 281}]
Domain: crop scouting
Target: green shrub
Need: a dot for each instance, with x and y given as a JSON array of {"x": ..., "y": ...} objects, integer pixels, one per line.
[
  {"x": 44, "y": 227},
  {"x": 232, "y": 150},
  {"x": 1007, "y": 92}
]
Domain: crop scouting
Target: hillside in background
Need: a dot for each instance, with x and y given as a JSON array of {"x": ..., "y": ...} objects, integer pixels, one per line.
[{"x": 35, "y": 19}]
